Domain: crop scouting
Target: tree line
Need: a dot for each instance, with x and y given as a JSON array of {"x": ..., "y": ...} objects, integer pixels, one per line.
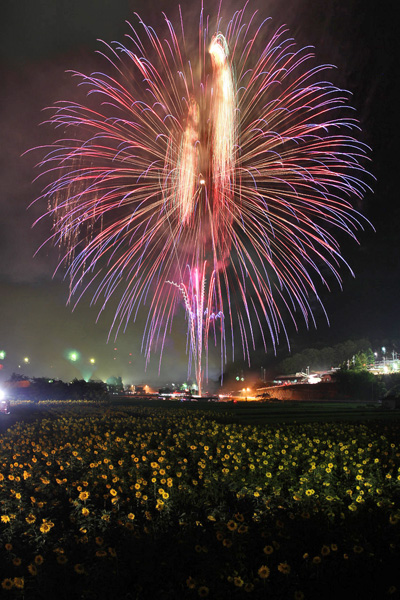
[
  {"x": 34, "y": 389},
  {"x": 340, "y": 355}
]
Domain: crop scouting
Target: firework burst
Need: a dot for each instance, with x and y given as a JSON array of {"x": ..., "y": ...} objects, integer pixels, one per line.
[{"x": 223, "y": 170}]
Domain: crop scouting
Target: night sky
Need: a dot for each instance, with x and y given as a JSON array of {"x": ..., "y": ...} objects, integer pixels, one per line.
[{"x": 39, "y": 41}]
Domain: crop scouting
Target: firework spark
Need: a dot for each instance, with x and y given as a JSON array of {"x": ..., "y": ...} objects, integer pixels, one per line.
[{"x": 225, "y": 171}]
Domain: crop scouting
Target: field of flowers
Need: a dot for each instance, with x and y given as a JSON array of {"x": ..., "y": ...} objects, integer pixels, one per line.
[{"x": 143, "y": 503}]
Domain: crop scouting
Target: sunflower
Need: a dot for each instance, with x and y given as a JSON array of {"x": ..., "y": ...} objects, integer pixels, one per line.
[
  {"x": 284, "y": 568},
  {"x": 46, "y": 526},
  {"x": 79, "y": 568},
  {"x": 238, "y": 581},
  {"x": 19, "y": 582},
  {"x": 30, "y": 519},
  {"x": 263, "y": 572}
]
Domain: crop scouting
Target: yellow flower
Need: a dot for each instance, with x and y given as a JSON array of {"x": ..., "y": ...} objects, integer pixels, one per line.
[
  {"x": 231, "y": 525},
  {"x": 101, "y": 553},
  {"x": 32, "y": 569},
  {"x": 61, "y": 559},
  {"x": 19, "y": 582},
  {"x": 239, "y": 517},
  {"x": 284, "y": 568},
  {"x": 113, "y": 492},
  {"x": 263, "y": 572},
  {"x": 316, "y": 560},
  {"x": 7, "y": 584},
  {"x": 238, "y": 581},
  {"x": 79, "y": 568},
  {"x": 46, "y": 526},
  {"x": 203, "y": 591},
  {"x": 5, "y": 519},
  {"x": 17, "y": 561},
  {"x": 268, "y": 549},
  {"x": 84, "y": 495},
  {"x": 131, "y": 516},
  {"x": 30, "y": 519},
  {"x": 8, "y": 547}
]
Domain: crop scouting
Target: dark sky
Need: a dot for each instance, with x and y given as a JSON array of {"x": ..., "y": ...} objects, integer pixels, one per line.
[{"x": 39, "y": 41}]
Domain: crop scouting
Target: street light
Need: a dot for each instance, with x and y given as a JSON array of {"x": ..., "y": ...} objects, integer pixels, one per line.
[{"x": 246, "y": 391}]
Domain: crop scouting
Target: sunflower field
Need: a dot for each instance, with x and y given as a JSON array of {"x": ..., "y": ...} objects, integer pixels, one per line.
[{"x": 140, "y": 503}]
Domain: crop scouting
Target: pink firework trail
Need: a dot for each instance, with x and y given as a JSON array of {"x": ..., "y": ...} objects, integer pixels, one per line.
[
  {"x": 223, "y": 169},
  {"x": 200, "y": 301}
]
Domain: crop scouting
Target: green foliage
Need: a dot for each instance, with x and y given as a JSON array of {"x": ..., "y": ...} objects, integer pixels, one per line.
[
  {"x": 394, "y": 392},
  {"x": 359, "y": 384},
  {"x": 328, "y": 357}
]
